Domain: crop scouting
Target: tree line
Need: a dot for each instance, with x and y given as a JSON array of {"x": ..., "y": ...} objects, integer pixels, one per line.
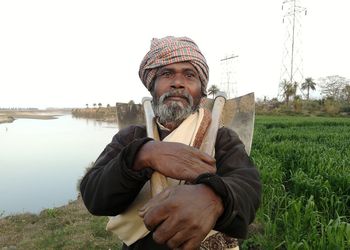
[
  {"x": 295, "y": 97},
  {"x": 332, "y": 87}
]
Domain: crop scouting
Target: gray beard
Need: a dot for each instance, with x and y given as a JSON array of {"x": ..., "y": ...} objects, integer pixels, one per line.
[{"x": 173, "y": 112}]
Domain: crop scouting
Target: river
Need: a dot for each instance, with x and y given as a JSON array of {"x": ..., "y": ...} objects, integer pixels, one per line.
[{"x": 42, "y": 160}]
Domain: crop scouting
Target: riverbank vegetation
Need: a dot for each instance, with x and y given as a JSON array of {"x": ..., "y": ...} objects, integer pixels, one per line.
[
  {"x": 122, "y": 113},
  {"x": 108, "y": 113}
]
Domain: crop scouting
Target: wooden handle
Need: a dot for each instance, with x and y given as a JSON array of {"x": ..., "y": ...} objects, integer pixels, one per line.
[
  {"x": 158, "y": 181},
  {"x": 149, "y": 116},
  {"x": 209, "y": 140}
]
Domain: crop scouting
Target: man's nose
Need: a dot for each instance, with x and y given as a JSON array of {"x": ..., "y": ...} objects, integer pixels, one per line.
[{"x": 178, "y": 81}]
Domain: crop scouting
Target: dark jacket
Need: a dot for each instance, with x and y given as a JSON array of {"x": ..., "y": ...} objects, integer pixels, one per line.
[{"x": 111, "y": 185}]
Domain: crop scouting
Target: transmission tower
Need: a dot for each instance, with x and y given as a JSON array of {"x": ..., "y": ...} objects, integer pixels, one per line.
[
  {"x": 228, "y": 75},
  {"x": 292, "y": 61}
]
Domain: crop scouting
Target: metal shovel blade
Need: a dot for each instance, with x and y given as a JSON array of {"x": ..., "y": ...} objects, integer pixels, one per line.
[{"x": 239, "y": 115}]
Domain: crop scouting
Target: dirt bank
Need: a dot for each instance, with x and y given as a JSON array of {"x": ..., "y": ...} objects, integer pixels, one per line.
[
  {"x": 10, "y": 116},
  {"x": 6, "y": 119},
  {"x": 67, "y": 227}
]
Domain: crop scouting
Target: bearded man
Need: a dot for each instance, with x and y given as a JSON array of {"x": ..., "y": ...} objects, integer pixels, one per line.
[{"x": 223, "y": 193}]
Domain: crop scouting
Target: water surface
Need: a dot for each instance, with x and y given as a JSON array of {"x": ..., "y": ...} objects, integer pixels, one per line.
[{"x": 41, "y": 160}]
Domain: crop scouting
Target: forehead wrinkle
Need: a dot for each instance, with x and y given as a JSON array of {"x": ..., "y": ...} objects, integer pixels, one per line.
[{"x": 181, "y": 66}]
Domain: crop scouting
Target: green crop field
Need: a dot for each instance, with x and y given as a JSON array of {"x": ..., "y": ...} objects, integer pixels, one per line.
[{"x": 305, "y": 168}]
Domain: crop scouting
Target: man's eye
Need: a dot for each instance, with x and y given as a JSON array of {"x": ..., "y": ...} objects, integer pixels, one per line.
[
  {"x": 166, "y": 74},
  {"x": 190, "y": 75}
]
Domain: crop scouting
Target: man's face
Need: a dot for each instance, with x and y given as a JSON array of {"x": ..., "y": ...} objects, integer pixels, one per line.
[{"x": 177, "y": 92}]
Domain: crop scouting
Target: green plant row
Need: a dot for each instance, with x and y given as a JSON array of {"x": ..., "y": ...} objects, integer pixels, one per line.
[{"x": 305, "y": 168}]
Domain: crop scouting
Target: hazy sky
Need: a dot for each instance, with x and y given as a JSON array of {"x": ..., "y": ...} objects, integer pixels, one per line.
[{"x": 68, "y": 53}]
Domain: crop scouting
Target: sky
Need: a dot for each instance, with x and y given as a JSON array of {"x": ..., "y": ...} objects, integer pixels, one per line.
[{"x": 70, "y": 53}]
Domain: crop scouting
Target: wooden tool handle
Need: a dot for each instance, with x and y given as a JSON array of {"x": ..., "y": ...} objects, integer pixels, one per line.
[
  {"x": 209, "y": 140},
  {"x": 158, "y": 181}
]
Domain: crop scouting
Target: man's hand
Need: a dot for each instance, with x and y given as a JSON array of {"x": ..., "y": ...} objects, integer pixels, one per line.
[
  {"x": 174, "y": 160},
  {"x": 182, "y": 216}
]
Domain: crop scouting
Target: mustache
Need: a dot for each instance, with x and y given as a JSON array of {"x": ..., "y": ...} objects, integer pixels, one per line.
[
  {"x": 173, "y": 112},
  {"x": 176, "y": 93}
]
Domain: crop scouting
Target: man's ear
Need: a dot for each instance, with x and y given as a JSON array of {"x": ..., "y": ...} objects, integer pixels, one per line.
[
  {"x": 152, "y": 91},
  {"x": 203, "y": 89}
]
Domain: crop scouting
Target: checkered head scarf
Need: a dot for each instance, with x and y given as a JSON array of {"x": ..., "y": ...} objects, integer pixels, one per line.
[{"x": 168, "y": 50}]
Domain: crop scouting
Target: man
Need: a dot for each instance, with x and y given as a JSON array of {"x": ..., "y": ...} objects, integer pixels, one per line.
[{"x": 221, "y": 193}]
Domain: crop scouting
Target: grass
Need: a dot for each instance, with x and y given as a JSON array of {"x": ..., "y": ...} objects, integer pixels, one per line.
[{"x": 67, "y": 227}]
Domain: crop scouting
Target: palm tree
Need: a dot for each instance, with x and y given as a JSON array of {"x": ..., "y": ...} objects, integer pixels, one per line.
[
  {"x": 294, "y": 89},
  {"x": 213, "y": 90},
  {"x": 99, "y": 105},
  {"x": 308, "y": 84},
  {"x": 94, "y": 105},
  {"x": 87, "y": 105},
  {"x": 288, "y": 90}
]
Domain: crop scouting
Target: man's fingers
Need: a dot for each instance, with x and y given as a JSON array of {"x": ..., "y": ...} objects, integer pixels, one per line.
[
  {"x": 155, "y": 201},
  {"x": 182, "y": 162},
  {"x": 177, "y": 240},
  {"x": 208, "y": 159},
  {"x": 154, "y": 216},
  {"x": 191, "y": 244},
  {"x": 194, "y": 153},
  {"x": 166, "y": 230}
]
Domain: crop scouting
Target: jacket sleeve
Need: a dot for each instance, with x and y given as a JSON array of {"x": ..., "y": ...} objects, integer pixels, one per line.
[
  {"x": 237, "y": 182},
  {"x": 111, "y": 185}
]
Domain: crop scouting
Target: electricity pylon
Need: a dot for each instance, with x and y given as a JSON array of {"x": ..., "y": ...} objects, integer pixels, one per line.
[
  {"x": 292, "y": 61},
  {"x": 228, "y": 82}
]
